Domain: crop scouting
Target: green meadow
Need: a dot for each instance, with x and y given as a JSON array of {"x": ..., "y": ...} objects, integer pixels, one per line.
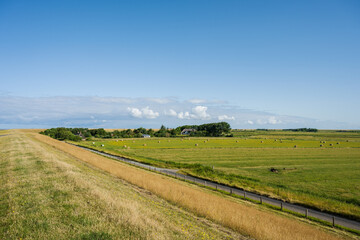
[{"x": 320, "y": 170}]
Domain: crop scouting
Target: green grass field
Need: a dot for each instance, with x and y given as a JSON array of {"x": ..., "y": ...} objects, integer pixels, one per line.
[{"x": 322, "y": 171}]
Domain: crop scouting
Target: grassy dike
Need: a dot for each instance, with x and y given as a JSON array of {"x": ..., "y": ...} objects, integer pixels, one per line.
[
  {"x": 245, "y": 218},
  {"x": 48, "y": 194}
]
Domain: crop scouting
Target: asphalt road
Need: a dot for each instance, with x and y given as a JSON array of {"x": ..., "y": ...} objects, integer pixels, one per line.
[{"x": 332, "y": 219}]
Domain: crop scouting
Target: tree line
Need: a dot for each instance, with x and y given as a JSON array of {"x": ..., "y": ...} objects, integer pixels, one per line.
[{"x": 77, "y": 134}]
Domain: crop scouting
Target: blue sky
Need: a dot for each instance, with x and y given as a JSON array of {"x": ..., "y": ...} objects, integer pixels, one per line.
[{"x": 255, "y": 64}]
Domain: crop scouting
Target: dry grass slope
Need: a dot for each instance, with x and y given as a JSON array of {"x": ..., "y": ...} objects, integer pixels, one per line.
[
  {"x": 241, "y": 217},
  {"x": 48, "y": 194}
]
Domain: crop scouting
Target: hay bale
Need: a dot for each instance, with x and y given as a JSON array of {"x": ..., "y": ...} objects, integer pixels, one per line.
[
  {"x": 124, "y": 146},
  {"x": 261, "y": 141},
  {"x": 321, "y": 145},
  {"x": 295, "y": 146},
  {"x": 237, "y": 141},
  {"x": 93, "y": 142},
  {"x": 128, "y": 147},
  {"x": 102, "y": 145},
  {"x": 337, "y": 143},
  {"x": 158, "y": 141},
  {"x": 144, "y": 144},
  {"x": 196, "y": 144},
  {"x": 330, "y": 144},
  {"x": 133, "y": 141},
  {"x": 204, "y": 141}
]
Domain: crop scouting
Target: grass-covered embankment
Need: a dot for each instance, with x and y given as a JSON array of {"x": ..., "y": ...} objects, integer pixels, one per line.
[{"x": 48, "y": 194}]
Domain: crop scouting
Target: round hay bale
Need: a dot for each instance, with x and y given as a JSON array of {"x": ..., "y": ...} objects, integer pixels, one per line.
[
  {"x": 117, "y": 140},
  {"x": 261, "y": 141},
  {"x": 347, "y": 140},
  {"x": 144, "y": 144},
  {"x": 337, "y": 143},
  {"x": 196, "y": 144},
  {"x": 204, "y": 141},
  {"x": 321, "y": 145},
  {"x": 128, "y": 147},
  {"x": 158, "y": 141},
  {"x": 295, "y": 146},
  {"x": 237, "y": 141},
  {"x": 330, "y": 144},
  {"x": 102, "y": 145},
  {"x": 133, "y": 141},
  {"x": 93, "y": 142},
  {"x": 124, "y": 146}
]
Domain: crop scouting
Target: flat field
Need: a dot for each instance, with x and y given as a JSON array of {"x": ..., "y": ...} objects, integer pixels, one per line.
[{"x": 320, "y": 170}]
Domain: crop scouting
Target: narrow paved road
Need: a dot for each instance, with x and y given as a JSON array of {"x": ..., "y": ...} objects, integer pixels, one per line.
[{"x": 249, "y": 195}]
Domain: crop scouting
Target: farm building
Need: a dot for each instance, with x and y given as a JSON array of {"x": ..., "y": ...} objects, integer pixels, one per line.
[
  {"x": 187, "y": 131},
  {"x": 146, "y": 136}
]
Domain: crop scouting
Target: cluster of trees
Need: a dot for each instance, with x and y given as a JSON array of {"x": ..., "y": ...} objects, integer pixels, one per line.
[
  {"x": 302, "y": 130},
  {"x": 77, "y": 134},
  {"x": 208, "y": 130}
]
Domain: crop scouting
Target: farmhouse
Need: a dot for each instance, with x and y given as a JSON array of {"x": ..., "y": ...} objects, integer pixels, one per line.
[
  {"x": 187, "y": 131},
  {"x": 146, "y": 136}
]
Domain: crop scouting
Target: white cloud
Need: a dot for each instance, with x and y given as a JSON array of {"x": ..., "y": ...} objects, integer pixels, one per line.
[
  {"x": 183, "y": 115},
  {"x": 135, "y": 112},
  {"x": 171, "y": 113},
  {"x": 197, "y": 101},
  {"x": 43, "y": 112},
  {"x": 226, "y": 117},
  {"x": 273, "y": 120},
  {"x": 143, "y": 113},
  {"x": 199, "y": 112},
  {"x": 148, "y": 113}
]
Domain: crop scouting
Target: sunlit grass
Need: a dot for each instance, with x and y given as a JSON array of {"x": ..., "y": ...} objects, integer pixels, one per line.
[
  {"x": 244, "y": 218},
  {"x": 326, "y": 177}
]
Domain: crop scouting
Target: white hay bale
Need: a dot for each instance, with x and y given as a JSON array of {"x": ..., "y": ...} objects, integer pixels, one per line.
[{"x": 102, "y": 145}]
